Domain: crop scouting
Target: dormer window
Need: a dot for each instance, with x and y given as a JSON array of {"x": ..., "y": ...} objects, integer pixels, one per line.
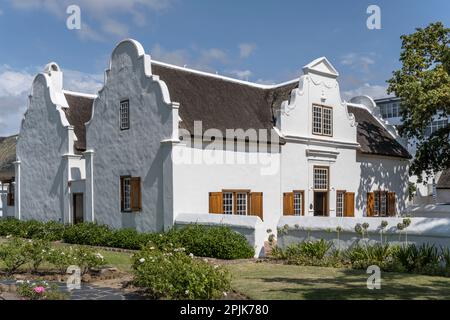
[
  {"x": 322, "y": 120},
  {"x": 125, "y": 115}
]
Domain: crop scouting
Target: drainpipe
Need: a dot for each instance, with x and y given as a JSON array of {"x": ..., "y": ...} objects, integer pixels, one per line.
[{"x": 17, "y": 212}]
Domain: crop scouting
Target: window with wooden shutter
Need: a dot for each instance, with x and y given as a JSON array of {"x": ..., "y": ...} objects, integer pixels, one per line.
[
  {"x": 391, "y": 204},
  {"x": 136, "y": 197},
  {"x": 370, "y": 204},
  {"x": 349, "y": 204},
  {"x": 216, "y": 204},
  {"x": 256, "y": 204},
  {"x": 288, "y": 203}
]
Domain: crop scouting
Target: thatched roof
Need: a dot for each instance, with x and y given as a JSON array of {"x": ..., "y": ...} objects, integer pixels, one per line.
[
  {"x": 78, "y": 113},
  {"x": 374, "y": 138},
  {"x": 219, "y": 103},
  {"x": 7, "y": 157}
]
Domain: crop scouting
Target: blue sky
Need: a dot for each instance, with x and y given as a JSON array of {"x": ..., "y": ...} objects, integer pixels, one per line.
[{"x": 264, "y": 41}]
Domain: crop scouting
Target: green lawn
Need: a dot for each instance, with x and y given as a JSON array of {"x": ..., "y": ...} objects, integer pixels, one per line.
[{"x": 273, "y": 281}]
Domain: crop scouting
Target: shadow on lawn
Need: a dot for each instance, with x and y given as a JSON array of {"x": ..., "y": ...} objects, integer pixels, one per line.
[{"x": 351, "y": 284}]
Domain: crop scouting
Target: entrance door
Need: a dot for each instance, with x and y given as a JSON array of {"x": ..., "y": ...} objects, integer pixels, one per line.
[
  {"x": 320, "y": 203},
  {"x": 78, "y": 212}
]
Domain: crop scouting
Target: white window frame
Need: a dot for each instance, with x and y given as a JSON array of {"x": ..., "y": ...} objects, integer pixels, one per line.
[
  {"x": 228, "y": 208},
  {"x": 340, "y": 198},
  {"x": 322, "y": 125},
  {"x": 241, "y": 203},
  {"x": 298, "y": 203},
  {"x": 127, "y": 194},
  {"x": 320, "y": 178},
  {"x": 125, "y": 114}
]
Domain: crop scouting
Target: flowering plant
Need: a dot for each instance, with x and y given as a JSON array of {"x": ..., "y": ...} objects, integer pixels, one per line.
[{"x": 39, "y": 290}]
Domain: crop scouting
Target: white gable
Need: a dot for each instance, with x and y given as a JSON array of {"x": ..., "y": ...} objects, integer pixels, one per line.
[{"x": 321, "y": 66}]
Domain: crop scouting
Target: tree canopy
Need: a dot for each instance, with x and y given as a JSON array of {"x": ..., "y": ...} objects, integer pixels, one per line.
[{"x": 423, "y": 84}]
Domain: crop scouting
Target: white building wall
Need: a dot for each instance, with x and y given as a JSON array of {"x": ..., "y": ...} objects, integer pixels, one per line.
[
  {"x": 140, "y": 151},
  {"x": 42, "y": 141}
]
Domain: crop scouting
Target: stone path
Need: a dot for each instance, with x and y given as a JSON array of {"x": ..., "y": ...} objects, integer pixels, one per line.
[{"x": 90, "y": 292}]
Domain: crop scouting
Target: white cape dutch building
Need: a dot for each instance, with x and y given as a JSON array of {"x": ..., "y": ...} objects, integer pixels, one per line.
[{"x": 162, "y": 145}]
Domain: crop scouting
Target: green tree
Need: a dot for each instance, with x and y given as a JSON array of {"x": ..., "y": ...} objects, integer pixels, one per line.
[{"x": 423, "y": 84}]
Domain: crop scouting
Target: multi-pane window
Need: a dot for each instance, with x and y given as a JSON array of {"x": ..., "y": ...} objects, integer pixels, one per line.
[
  {"x": 125, "y": 115},
  {"x": 380, "y": 203},
  {"x": 320, "y": 178},
  {"x": 228, "y": 203},
  {"x": 126, "y": 194},
  {"x": 298, "y": 203},
  {"x": 390, "y": 110},
  {"x": 241, "y": 204},
  {"x": 322, "y": 120},
  {"x": 10, "y": 200},
  {"x": 130, "y": 194},
  {"x": 435, "y": 126},
  {"x": 340, "y": 203}
]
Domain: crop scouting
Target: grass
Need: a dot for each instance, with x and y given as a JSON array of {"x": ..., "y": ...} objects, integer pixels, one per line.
[{"x": 287, "y": 282}]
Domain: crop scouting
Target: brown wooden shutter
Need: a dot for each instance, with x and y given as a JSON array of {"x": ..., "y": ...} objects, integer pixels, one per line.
[
  {"x": 136, "y": 198},
  {"x": 391, "y": 204},
  {"x": 122, "y": 196},
  {"x": 370, "y": 204},
  {"x": 349, "y": 204},
  {"x": 216, "y": 202},
  {"x": 288, "y": 204},
  {"x": 256, "y": 204}
]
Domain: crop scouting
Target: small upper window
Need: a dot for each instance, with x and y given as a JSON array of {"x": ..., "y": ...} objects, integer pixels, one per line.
[
  {"x": 125, "y": 115},
  {"x": 322, "y": 120}
]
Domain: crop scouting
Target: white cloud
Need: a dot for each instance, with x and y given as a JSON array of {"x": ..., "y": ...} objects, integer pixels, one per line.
[
  {"x": 358, "y": 61},
  {"x": 105, "y": 13},
  {"x": 374, "y": 91},
  {"x": 241, "y": 74},
  {"x": 177, "y": 57},
  {"x": 246, "y": 49},
  {"x": 15, "y": 86}
]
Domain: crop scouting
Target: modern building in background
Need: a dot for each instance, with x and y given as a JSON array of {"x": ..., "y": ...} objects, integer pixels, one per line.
[{"x": 437, "y": 189}]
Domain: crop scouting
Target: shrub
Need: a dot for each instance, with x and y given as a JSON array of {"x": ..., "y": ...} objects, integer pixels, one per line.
[
  {"x": 315, "y": 253},
  {"x": 423, "y": 259},
  {"x": 88, "y": 234},
  {"x": 36, "y": 252},
  {"x": 126, "y": 239},
  {"x": 174, "y": 275},
  {"x": 13, "y": 255},
  {"x": 86, "y": 258},
  {"x": 61, "y": 259},
  {"x": 362, "y": 257},
  {"x": 39, "y": 290}
]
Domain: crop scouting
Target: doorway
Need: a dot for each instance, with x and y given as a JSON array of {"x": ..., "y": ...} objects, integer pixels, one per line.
[
  {"x": 320, "y": 203},
  {"x": 78, "y": 211}
]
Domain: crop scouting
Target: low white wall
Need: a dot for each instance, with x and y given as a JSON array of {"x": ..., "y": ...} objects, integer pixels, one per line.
[
  {"x": 250, "y": 226},
  {"x": 422, "y": 230}
]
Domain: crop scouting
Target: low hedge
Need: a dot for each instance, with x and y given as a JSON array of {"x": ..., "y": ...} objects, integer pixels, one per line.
[{"x": 215, "y": 242}]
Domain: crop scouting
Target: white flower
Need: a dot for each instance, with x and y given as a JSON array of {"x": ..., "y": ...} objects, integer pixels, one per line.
[
  {"x": 186, "y": 292},
  {"x": 152, "y": 248},
  {"x": 191, "y": 255},
  {"x": 216, "y": 266},
  {"x": 225, "y": 294},
  {"x": 8, "y": 236},
  {"x": 98, "y": 255},
  {"x": 141, "y": 260},
  {"x": 19, "y": 281}
]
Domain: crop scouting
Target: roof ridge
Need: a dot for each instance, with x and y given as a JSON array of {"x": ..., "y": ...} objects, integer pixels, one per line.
[
  {"x": 80, "y": 94},
  {"x": 225, "y": 78}
]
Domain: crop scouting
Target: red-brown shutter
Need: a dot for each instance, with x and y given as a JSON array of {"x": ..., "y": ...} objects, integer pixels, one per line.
[
  {"x": 349, "y": 204},
  {"x": 370, "y": 204},
  {"x": 288, "y": 204},
  {"x": 136, "y": 197},
  {"x": 391, "y": 204},
  {"x": 216, "y": 202},
  {"x": 256, "y": 204}
]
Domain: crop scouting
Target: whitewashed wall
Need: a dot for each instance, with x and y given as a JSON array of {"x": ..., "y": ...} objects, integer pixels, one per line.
[
  {"x": 422, "y": 230},
  {"x": 142, "y": 151}
]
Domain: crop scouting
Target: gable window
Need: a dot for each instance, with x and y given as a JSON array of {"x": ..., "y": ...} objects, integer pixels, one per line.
[
  {"x": 125, "y": 115},
  {"x": 322, "y": 120},
  {"x": 130, "y": 194},
  {"x": 236, "y": 202},
  {"x": 294, "y": 203},
  {"x": 381, "y": 204}
]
